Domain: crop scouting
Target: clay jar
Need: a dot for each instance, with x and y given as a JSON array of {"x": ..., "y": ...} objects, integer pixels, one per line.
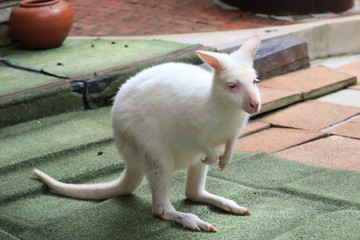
[{"x": 41, "y": 24}]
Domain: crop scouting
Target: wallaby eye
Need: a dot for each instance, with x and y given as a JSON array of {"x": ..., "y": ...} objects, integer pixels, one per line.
[
  {"x": 256, "y": 81},
  {"x": 232, "y": 85}
]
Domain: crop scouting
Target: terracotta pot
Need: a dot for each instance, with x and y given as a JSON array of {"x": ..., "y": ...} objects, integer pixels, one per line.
[{"x": 41, "y": 24}]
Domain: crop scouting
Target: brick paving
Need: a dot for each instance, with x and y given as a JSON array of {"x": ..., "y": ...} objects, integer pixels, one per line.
[
  {"x": 324, "y": 131},
  {"x": 271, "y": 140},
  {"x": 312, "y": 82},
  {"x": 352, "y": 68},
  {"x": 151, "y": 17},
  {"x": 273, "y": 98},
  {"x": 135, "y": 17},
  {"x": 332, "y": 152},
  {"x": 310, "y": 115},
  {"x": 349, "y": 129}
]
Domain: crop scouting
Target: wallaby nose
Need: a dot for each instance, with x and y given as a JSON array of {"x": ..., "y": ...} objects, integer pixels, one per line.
[{"x": 254, "y": 104}]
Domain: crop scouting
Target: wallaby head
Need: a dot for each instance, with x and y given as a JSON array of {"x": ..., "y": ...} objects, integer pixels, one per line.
[{"x": 234, "y": 76}]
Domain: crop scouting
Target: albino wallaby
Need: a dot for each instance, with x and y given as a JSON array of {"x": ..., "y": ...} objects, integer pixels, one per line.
[{"x": 166, "y": 118}]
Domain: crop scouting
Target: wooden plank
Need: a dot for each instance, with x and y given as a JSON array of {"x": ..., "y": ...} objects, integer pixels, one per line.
[{"x": 280, "y": 56}]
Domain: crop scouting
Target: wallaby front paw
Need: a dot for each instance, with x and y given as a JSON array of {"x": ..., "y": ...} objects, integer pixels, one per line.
[{"x": 223, "y": 160}]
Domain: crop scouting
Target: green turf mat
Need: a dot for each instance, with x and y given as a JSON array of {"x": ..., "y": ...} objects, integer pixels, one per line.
[
  {"x": 288, "y": 200},
  {"x": 39, "y": 104},
  {"x": 77, "y": 57},
  {"x": 334, "y": 225},
  {"x": 48, "y": 136},
  {"x": 71, "y": 167},
  {"x": 323, "y": 185},
  {"x": 6, "y": 236},
  {"x": 14, "y": 80},
  {"x": 265, "y": 171},
  {"x": 23, "y": 95}
]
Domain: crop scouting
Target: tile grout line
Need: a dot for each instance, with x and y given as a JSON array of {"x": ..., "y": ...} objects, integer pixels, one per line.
[{"x": 333, "y": 126}]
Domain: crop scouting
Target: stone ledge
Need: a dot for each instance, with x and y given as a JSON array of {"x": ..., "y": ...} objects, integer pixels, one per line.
[{"x": 312, "y": 82}]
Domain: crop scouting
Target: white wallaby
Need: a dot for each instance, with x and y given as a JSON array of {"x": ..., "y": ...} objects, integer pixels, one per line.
[{"x": 166, "y": 118}]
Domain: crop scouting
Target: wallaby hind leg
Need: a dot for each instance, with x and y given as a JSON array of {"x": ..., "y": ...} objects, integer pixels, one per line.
[
  {"x": 159, "y": 179},
  {"x": 133, "y": 174},
  {"x": 195, "y": 190}
]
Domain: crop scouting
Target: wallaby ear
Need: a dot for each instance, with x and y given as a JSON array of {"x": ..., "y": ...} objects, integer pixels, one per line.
[
  {"x": 248, "y": 50},
  {"x": 211, "y": 58}
]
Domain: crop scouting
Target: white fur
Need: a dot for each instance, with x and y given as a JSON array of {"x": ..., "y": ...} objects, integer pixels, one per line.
[{"x": 168, "y": 117}]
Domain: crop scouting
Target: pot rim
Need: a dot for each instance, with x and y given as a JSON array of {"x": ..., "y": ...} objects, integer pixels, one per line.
[{"x": 38, "y": 3}]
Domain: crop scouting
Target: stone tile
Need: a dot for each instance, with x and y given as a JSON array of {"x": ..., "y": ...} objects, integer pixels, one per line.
[
  {"x": 357, "y": 87},
  {"x": 350, "y": 97},
  {"x": 311, "y": 115},
  {"x": 254, "y": 127},
  {"x": 349, "y": 129},
  {"x": 312, "y": 82},
  {"x": 336, "y": 61},
  {"x": 275, "y": 139},
  {"x": 355, "y": 168},
  {"x": 331, "y": 152},
  {"x": 352, "y": 68},
  {"x": 275, "y": 98}
]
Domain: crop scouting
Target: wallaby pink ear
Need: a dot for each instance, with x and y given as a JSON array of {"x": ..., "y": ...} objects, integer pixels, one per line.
[
  {"x": 211, "y": 58},
  {"x": 248, "y": 50}
]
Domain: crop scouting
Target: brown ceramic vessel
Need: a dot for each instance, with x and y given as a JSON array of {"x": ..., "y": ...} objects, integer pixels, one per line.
[{"x": 41, "y": 24}]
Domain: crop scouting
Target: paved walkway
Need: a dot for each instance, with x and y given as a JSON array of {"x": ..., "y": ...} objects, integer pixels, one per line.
[
  {"x": 134, "y": 17},
  {"x": 318, "y": 127},
  {"x": 151, "y": 17}
]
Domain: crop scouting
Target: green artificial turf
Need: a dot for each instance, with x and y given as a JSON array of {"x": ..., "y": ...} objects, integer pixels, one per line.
[
  {"x": 39, "y": 104},
  {"x": 288, "y": 200},
  {"x": 75, "y": 58}
]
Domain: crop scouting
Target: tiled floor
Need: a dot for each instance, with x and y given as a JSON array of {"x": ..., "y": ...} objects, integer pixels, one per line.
[
  {"x": 272, "y": 140},
  {"x": 352, "y": 68},
  {"x": 348, "y": 129},
  {"x": 273, "y": 98},
  {"x": 135, "y": 17},
  {"x": 324, "y": 131},
  {"x": 348, "y": 97},
  {"x": 332, "y": 151},
  {"x": 312, "y": 82},
  {"x": 311, "y": 115}
]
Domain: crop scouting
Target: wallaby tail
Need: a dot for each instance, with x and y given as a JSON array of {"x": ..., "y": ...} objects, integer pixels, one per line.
[{"x": 122, "y": 186}]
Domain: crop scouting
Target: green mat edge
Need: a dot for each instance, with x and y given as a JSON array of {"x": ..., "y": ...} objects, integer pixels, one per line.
[
  {"x": 45, "y": 102},
  {"x": 39, "y": 104},
  {"x": 6, "y": 236}
]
